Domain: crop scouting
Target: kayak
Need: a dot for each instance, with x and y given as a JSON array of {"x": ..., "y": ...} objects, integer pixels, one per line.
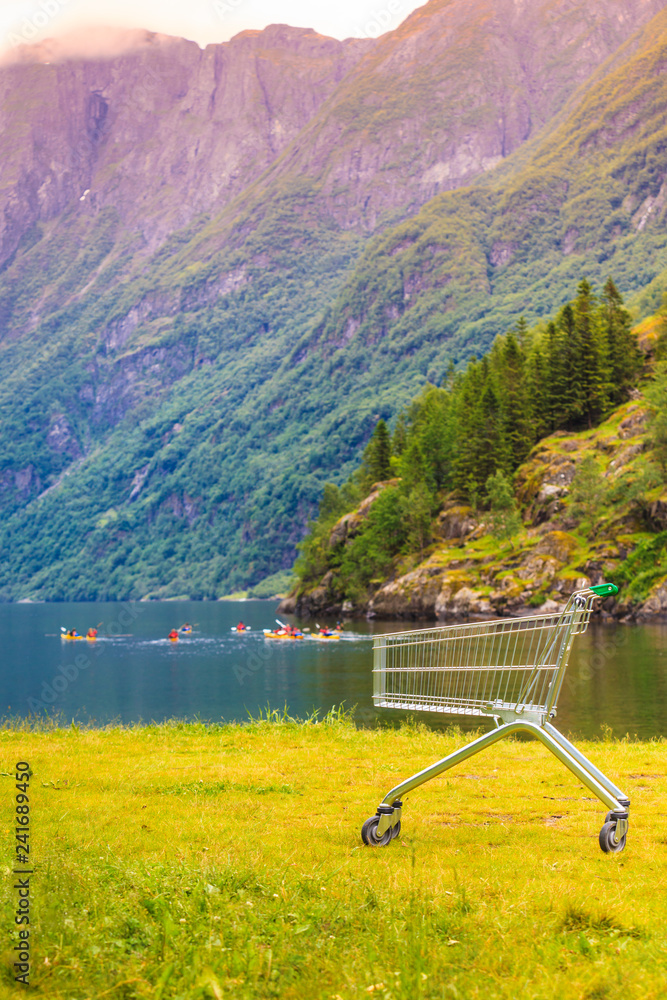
[
  {"x": 235, "y": 629},
  {"x": 325, "y": 638},
  {"x": 73, "y": 638},
  {"x": 268, "y": 634}
]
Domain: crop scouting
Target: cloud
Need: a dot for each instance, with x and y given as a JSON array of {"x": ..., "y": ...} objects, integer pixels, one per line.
[{"x": 203, "y": 21}]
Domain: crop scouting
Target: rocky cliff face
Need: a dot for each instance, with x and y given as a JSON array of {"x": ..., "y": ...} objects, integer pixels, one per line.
[
  {"x": 160, "y": 130},
  {"x": 163, "y": 131},
  {"x": 451, "y": 93}
]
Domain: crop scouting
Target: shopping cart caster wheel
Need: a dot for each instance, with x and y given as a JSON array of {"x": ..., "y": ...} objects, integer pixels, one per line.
[
  {"x": 608, "y": 841},
  {"x": 369, "y": 833},
  {"x": 396, "y": 830}
]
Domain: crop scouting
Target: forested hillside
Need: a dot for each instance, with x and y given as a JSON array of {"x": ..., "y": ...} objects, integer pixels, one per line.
[
  {"x": 536, "y": 471},
  {"x": 221, "y": 268}
]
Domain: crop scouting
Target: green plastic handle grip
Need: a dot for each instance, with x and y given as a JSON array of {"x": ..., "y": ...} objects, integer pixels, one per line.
[{"x": 605, "y": 589}]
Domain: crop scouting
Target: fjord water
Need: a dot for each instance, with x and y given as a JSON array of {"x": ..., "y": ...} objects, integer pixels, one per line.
[{"x": 617, "y": 675}]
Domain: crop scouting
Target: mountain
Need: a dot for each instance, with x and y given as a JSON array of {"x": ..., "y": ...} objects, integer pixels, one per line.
[
  {"x": 159, "y": 132},
  {"x": 449, "y": 95},
  {"x": 220, "y": 267}
]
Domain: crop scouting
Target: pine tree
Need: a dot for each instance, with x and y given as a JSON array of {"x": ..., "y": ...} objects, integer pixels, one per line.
[
  {"x": 537, "y": 391},
  {"x": 594, "y": 367},
  {"x": 516, "y": 429},
  {"x": 557, "y": 390},
  {"x": 436, "y": 437},
  {"x": 492, "y": 448},
  {"x": 523, "y": 334},
  {"x": 377, "y": 456},
  {"x": 622, "y": 350},
  {"x": 480, "y": 447},
  {"x": 574, "y": 396}
]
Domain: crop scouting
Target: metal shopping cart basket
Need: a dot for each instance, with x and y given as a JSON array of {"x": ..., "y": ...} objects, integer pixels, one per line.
[{"x": 510, "y": 670}]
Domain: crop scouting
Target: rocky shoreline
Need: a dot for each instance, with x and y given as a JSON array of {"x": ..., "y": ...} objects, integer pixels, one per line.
[{"x": 429, "y": 601}]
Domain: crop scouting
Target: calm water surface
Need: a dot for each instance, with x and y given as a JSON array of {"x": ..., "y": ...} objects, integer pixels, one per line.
[{"x": 617, "y": 675}]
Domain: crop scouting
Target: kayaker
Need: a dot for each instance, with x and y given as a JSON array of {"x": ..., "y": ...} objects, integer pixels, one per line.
[
  {"x": 91, "y": 633},
  {"x": 186, "y": 628},
  {"x": 240, "y": 627},
  {"x": 71, "y": 633},
  {"x": 173, "y": 634}
]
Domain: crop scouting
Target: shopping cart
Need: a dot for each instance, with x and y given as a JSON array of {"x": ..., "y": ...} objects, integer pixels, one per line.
[{"x": 510, "y": 670}]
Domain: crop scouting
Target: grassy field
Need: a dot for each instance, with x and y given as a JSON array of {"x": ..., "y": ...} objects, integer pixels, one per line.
[{"x": 193, "y": 861}]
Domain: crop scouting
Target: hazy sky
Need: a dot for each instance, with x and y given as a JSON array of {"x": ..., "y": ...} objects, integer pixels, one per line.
[{"x": 202, "y": 20}]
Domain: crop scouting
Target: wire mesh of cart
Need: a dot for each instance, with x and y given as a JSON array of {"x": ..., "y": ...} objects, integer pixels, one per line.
[{"x": 510, "y": 671}]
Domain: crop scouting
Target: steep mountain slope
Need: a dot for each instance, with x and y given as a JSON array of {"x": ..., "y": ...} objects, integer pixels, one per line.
[
  {"x": 588, "y": 196},
  {"x": 451, "y": 93},
  {"x": 171, "y": 400},
  {"x": 163, "y": 130},
  {"x": 152, "y": 137},
  {"x": 133, "y": 147}
]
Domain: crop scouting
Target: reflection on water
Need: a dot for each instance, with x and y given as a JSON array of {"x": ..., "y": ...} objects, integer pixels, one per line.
[{"x": 617, "y": 675}]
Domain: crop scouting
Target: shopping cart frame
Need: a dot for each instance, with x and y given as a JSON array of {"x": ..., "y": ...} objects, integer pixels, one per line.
[{"x": 483, "y": 656}]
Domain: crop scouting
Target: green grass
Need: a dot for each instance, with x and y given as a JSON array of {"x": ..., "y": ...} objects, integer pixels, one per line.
[{"x": 194, "y": 861}]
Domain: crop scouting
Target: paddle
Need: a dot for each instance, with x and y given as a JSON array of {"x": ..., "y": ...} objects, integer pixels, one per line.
[{"x": 63, "y": 631}]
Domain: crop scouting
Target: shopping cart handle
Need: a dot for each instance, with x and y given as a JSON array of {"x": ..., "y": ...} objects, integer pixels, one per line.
[{"x": 605, "y": 589}]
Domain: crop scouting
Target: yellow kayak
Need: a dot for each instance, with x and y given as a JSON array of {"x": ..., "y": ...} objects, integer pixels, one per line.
[
  {"x": 325, "y": 638},
  {"x": 268, "y": 634}
]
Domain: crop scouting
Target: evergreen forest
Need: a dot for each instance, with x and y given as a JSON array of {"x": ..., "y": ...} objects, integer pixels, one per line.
[{"x": 467, "y": 437}]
